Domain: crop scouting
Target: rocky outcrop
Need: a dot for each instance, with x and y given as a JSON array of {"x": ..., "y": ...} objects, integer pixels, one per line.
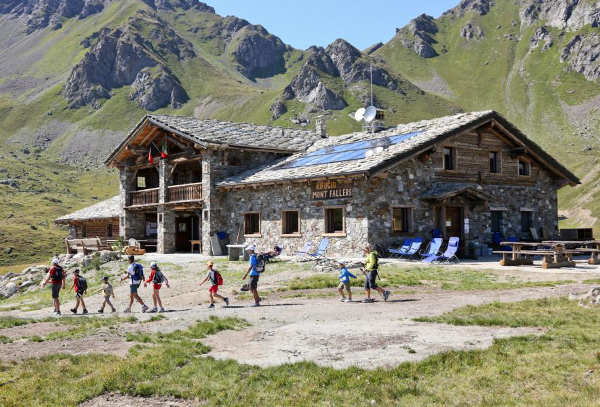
[
  {"x": 541, "y": 35},
  {"x": 373, "y": 48},
  {"x": 417, "y": 35},
  {"x": 582, "y": 54},
  {"x": 571, "y": 14},
  {"x": 172, "y": 5},
  {"x": 277, "y": 109},
  {"x": 319, "y": 59},
  {"x": 479, "y": 7},
  {"x": 257, "y": 53},
  {"x": 471, "y": 31},
  {"x": 325, "y": 99},
  {"x": 153, "y": 91},
  {"x": 301, "y": 86},
  {"x": 343, "y": 55}
]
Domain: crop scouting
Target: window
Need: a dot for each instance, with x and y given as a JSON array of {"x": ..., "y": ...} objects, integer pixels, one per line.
[
  {"x": 141, "y": 182},
  {"x": 524, "y": 168},
  {"x": 290, "y": 224},
  {"x": 494, "y": 163},
  {"x": 84, "y": 230},
  {"x": 109, "y": 230},
  {"x": 334, "y": 220},
  {"x": 497, "y": 221},
  {"x": 401, "y": 219},
  {"x": 448, "y": 158},
  {"x": 252, "y": 223},
  {"x": 526, "y": 222}
]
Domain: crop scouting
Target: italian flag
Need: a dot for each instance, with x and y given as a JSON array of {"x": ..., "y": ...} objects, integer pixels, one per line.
[{"x": 163, "y": 153}]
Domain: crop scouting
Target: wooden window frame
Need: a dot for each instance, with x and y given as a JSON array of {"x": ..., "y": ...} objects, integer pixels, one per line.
[
  {"x": 109, "y": 230},
  {"x": 410, "y": 219},
  {"x": 334, "y": 234},
  {"x": 498, "y": 163},
  {"x": 528, "y": 163},
  {"x": 454, "y": 159},
  {"x": 138, "y": 178},
  {"x": 259, "y": 234},
  {"x": 501, "y": 212},
  {"x": 84, "y": 230},
  {"x": 530, "y": 212},
  {"x": 296, "y": 234}
]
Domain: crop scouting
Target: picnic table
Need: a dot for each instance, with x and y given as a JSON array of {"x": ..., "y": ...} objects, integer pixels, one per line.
[
  {"x": 586, "y": 246},
  {"x": 554, "y": 254}
]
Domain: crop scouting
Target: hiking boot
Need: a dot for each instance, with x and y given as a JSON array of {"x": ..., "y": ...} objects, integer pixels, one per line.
[
  {"x": 348, "y": 300},
  {"x": 57, "y": 312},
  {"x": 386, "y": 295},
  {"x": 153, "y": 310},
  {"x": 226, "y": 299},
  {"x": 211, "y": 306},
  {"x": 127, "y": 310},
  {"x": 85, "y": 311},
  {"x": 162, "y": 309},
  {"x": 144, "y": 308},
  {"x": 114, "y": 310},
  {"x": 342, "y": 299},
  {"x": 368, "y": 300},
  {"x": 256, "y": 304},
  {"x": 100, "y": 311},
  {"x": 73, "y": 310}
]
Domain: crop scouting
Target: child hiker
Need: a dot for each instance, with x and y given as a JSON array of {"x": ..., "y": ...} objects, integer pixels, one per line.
[
  {"x": 156, "y": 277},
  {"x": 215, "y": 280},
  {"x": 80, "y": 288},
  {"x": 107, "y": 288},
  {"x": 344, "y": 278}
]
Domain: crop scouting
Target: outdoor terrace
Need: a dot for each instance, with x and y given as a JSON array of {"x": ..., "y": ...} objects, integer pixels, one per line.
[{"x": 175, "y": 194}]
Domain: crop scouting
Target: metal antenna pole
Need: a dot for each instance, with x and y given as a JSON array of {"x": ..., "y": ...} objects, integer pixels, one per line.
[{"x": 371, "y": 71}]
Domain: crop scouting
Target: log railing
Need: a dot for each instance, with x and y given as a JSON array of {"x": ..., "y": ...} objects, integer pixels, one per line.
[
  {"x": 185, "y": 193},
  {"x": 143, "y": 197}
]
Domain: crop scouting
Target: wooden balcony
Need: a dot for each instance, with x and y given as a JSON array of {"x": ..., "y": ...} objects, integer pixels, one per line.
[
  {"x": 185, "y": 193},
  {"x": 143, "y": 198}
]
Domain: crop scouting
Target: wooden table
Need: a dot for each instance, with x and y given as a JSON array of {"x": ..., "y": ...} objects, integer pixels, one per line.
[
  {"x": 590, "y": 246},
  {"x": 196, "y": 243},
  {"x": 554, "y": 257}
]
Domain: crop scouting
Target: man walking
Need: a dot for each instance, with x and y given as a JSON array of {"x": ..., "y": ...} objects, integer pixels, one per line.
[
  {"x": 57, "y": 276},
  {"x": 135, "y": 271},
  {"x": 371, "y": 270},
  {"x": 254, "y": 274},
  {"x": 80, "y": 288}
]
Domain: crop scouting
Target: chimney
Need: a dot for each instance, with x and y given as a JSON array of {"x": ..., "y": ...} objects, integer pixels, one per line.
[{"x": 320, "y": 127}]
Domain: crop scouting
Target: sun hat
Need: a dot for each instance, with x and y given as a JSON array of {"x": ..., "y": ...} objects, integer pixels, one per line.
[
  {"x": 250, "y": 248},
  {"x": 55, "y": 260}
]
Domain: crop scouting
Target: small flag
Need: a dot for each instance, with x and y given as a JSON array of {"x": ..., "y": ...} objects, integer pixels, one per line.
[
  {"x": 150, "y": 159},
  {"x": 163, "y": 153}
]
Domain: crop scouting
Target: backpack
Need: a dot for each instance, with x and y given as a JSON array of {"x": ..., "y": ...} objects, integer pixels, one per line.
[
  {"x": 260, "y": 263},
  {"x": 138, "y": 272},
  {"x": 81, "y": 284},
  {"x": 376, "y": 263},
  {"x": 159, "y": 277},
  {"x": 217, "y": 278},
  {"x": 57, "y": 274}
]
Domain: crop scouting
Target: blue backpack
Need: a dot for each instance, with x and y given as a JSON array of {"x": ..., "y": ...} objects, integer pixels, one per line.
[{"x": 138, "y": 272}]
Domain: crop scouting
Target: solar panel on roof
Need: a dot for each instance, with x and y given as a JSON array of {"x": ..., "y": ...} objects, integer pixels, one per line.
[{"x": 350, "y": 151}]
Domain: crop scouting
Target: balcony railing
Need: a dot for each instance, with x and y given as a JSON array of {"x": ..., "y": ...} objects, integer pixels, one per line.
[
  {"x": 143, "y": 197},
  {"x": 185, "y": 193}
]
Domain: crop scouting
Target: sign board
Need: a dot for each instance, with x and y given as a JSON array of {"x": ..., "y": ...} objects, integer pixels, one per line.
[{"x": 322, "y": 190}]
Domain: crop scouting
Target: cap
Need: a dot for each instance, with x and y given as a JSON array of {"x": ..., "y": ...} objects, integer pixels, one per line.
[
  {"x": 209, "y": 263},
  {"x": 76, "y": 271},
  {"x": 105, "y": 278},
  {"x": 250, "y": 248},
  {"x": 55, "y": 261},
  {"x": 153, "y": 265}
]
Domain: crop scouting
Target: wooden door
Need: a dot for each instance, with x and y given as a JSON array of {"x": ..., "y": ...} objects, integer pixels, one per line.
[
  {"x": 454, "y": 221},
  {"x": 183, "y": 233}
]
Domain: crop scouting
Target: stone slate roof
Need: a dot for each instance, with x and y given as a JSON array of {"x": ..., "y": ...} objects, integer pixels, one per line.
[
  {"x": 432, "y": 131},
  {"x": 238, "y": 134},
  {"x": 102, "y": 210}
]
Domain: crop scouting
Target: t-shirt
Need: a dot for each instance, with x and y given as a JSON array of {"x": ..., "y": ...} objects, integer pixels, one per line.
[
  {"x": 52, "y": 272},
  {"x": 371, "y": 263},
  {"x": 253, "y": 264},
  {"x": 108, "y": 289},
  {"x": 150, "y": 277},
  {"x": 345, "y": 275},
  {"x": 131, "y": 272},
  {"x": 211, "y": 276},
  {"x": 75, "y": 284}
]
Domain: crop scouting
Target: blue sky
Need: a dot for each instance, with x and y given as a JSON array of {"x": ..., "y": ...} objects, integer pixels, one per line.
[{"x": 313, "y": 22}]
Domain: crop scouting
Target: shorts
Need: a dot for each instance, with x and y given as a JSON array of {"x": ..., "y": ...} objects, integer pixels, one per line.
[
  {"x": 371, "y": 280},
  {"x": 107, "y": 298},
  {"x": 213, "y": 289},
  {"x": 55, "y": 290},
  {"x": 133, "y": 288},
  {"x": 345, "y": 285},
  {"x": 78, "y": 294},
  {"x": 157, "y": 286},
  {"x": 254, "y": 282}
]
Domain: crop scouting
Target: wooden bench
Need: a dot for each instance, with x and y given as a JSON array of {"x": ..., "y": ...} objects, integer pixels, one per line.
[
  {"x": 85, "y": 245},
  {"x": 551, "y": 258}
]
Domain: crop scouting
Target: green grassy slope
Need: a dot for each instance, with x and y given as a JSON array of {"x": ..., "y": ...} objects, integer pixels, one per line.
[{"x": 530, "y": 87}]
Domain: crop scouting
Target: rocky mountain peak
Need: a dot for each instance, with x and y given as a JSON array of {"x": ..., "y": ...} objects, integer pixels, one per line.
[
  {"x": 417, "y": 35},
  {"x": 183, "y": 4},
  {"x": 479, "y": 7},
  {"x": 571, "y": 14},
  {"x": 257, "y": 52}
]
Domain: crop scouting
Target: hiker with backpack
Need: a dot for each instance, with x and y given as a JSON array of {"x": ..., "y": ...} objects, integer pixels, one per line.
[
  {"x": 256, "y": 267},
  {"x": 56, "y": 276},
  {"x": 216, "y": 279},
  {"x": 135, "y": 272},
  {"x": 371, "y": 272},
  {"x": 80, "y": 288},
  {"x": 157, "y": 278}
]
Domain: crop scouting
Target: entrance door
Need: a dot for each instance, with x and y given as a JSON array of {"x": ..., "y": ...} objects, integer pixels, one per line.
[
  {"x": 454, "y": 222},
  {"x": 183, "y": 233}
]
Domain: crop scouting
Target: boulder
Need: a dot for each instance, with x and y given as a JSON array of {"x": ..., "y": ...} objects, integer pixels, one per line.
[
  {"x": 325, "y": 99},
  {"x": 541, "y": 35},
  {"x": 8, "y": 290},
  {"x": 278, "y": 108},
  {"x": 153, "y": 91},
  {"x": 471, "y": 31}
]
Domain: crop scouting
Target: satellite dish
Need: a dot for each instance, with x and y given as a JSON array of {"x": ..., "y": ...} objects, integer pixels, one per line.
[
  {"x": 360, "y": 114},
  {"x": 370, "y": 114}
]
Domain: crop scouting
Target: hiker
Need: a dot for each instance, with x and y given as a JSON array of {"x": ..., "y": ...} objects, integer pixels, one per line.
[
  {"x": 157, "y": 277},
  {"x": 254, "y": 274},
  {"x": 80, "y": 288},
  {"x": 344, "y": 278},
  {"x": 107, "y": 288},
  {"x": 371, "y": 271},
  {"x": 216, "y": 280},
  {"x": 56, "y": 275},
  {"x": 135, "y": 271}
]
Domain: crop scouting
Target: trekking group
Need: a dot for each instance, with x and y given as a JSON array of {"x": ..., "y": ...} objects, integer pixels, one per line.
[{"x": 257, "y": 263}]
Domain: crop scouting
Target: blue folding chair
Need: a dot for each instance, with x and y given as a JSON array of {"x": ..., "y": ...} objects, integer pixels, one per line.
[
  {"x": 402, "y": 250},
  {"x": 450, "y": 253},
  {"x": 321, "y": 249},
  {"x": 415, "y": 246},
  {"x": 434, "y": 247}
]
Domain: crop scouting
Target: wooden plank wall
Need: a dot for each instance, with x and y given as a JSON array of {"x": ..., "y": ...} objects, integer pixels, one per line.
[{"x": 98, "y": 228}]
